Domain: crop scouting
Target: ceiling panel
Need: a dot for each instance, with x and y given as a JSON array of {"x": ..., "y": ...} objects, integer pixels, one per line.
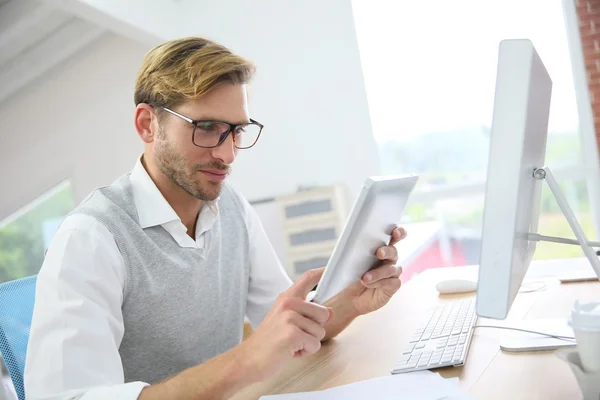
[
  {"x": 24, "y": 24},
  {"x": 34, "y": 37}
]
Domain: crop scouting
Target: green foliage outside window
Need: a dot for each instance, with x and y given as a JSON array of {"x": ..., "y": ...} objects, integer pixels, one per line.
[{"x": 22, "y": 241}]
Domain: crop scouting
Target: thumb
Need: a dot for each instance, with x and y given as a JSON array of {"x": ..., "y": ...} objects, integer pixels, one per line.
[{"x": 305, "y": 284}]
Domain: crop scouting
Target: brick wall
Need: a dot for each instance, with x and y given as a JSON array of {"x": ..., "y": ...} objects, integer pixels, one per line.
[{"x": 588, "y": 12}]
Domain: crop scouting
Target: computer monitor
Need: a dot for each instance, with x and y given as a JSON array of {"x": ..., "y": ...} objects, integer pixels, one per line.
[
  {"x": 516, "y": 172},
  {"x": 513, "y": 195}
]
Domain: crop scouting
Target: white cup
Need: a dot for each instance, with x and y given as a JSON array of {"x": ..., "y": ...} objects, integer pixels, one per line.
[{"x": 585, "y": 321}]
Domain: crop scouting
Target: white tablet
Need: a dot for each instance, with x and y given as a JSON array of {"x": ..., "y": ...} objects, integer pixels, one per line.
[{"x": 376, "y": 212}]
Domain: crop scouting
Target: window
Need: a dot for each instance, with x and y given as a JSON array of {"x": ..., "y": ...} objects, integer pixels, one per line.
[
  {"x": 25, "y": 235},
  {"x": 430, "y": 70}
]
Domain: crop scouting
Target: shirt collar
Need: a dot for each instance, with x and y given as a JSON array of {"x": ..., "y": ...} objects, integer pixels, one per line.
[{"x": 152, "y": 208}]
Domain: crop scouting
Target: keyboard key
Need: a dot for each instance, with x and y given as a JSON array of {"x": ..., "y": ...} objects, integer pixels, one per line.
[
  {"x": 406, "y": 367},
  {"x": 420, "y": 346},
  {"x": 414, "y": 358},
  {"x": 415, "y": 338},
  {"x": 423, "y": 363},
  {"x": 446, "y": 359},
  {"x": 435, "y": 360},
  {"x": 404, "y": 359}
]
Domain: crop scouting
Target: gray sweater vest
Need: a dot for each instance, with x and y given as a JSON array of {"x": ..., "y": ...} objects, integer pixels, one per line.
[{"x": 181, "y": 306}]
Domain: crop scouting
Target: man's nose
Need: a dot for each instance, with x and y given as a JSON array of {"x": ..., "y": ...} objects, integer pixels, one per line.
[{"x": 226, "y": 151}]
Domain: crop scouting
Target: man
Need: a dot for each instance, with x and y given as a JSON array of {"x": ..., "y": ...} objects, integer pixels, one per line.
[{"x": 144, "y": 289}]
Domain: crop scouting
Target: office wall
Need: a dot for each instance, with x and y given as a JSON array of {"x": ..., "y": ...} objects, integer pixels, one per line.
[
  {"x": 75, "y": 123},
  {"x": 308, "y": 91}
]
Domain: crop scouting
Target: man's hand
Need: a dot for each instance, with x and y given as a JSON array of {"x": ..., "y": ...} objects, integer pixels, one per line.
[
  {"x": 377, "y": 286},
  {"x": 293, "y": 328},
  {"x": 372, "y": 292}
]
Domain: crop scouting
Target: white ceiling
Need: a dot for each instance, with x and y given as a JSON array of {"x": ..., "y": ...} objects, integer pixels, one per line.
[{"x": 34, "y": 37}]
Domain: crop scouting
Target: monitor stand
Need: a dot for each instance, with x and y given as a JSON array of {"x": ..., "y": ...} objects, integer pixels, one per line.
[
  {"x": 545, "y": 174},
  {"x": 522, "y": 341}
]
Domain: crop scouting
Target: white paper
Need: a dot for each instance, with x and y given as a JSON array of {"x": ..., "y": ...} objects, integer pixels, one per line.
[
  {"x": 422, "y": 385},
  {"x": 454, "y": 381}
]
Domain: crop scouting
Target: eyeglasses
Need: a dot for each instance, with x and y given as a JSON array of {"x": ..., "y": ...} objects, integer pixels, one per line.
[{"x": 209, "y": 133}]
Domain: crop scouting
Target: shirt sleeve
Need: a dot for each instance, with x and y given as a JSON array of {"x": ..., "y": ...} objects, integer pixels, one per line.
[
  {"x": 268, "y": 278},
  {"x": 77, "y": 323}
]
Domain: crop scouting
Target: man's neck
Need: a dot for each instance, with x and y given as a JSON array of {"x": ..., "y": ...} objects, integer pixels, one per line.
[{"x": 185, "y": 206}]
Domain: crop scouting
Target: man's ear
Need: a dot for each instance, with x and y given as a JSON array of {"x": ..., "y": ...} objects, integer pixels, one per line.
[{"x": 143, "y": 121}]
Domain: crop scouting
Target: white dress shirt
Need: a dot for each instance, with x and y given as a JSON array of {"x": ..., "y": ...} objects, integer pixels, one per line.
[{"x": 77, "y": 324}]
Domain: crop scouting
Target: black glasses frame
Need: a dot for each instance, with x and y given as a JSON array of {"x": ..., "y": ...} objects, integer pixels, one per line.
[{"x": 224, "y": 135}]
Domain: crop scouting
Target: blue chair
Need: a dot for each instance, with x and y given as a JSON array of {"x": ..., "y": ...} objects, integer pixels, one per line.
[{"x": 16, "y": 308}]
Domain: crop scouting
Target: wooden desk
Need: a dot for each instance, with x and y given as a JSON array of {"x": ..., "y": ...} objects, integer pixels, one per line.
[{"x": 371, "y": 345}]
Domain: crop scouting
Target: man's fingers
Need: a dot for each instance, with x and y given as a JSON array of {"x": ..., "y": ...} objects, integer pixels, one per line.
[
  {"x": 389, "y": 285},
  {"x": 308, "y": 345},
  {"x": 305, "y": 284},
  {"x": 311, "y": 345},
  {"x": 387, "y": 253},
  {"x": 382, "y": 272},
  {"x": 313, "y": 311},
  {"x": 397, "y": 235},
  {"x": 309, "y": 326},
  {"x": 390, "y": 252}
]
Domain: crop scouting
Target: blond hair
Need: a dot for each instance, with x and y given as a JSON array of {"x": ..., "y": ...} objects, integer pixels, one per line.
[{"x": 186, "y": 69}]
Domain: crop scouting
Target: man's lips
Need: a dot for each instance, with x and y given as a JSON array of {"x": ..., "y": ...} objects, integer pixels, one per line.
[
  {"x": 216, "y": 171},
  {"x": 215, "y": 174}
]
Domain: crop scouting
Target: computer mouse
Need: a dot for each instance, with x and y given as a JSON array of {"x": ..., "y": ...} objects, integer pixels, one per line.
[{"x": 453, "y": 286}]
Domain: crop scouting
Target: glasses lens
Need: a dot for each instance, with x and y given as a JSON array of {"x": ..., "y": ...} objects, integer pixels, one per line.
[
  {"x": 246, "y": 135},
  {"x": 207, "y": 134}
]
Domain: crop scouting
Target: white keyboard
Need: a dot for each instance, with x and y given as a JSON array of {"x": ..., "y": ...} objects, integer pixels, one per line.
[{"x": 442, "y": 340}]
